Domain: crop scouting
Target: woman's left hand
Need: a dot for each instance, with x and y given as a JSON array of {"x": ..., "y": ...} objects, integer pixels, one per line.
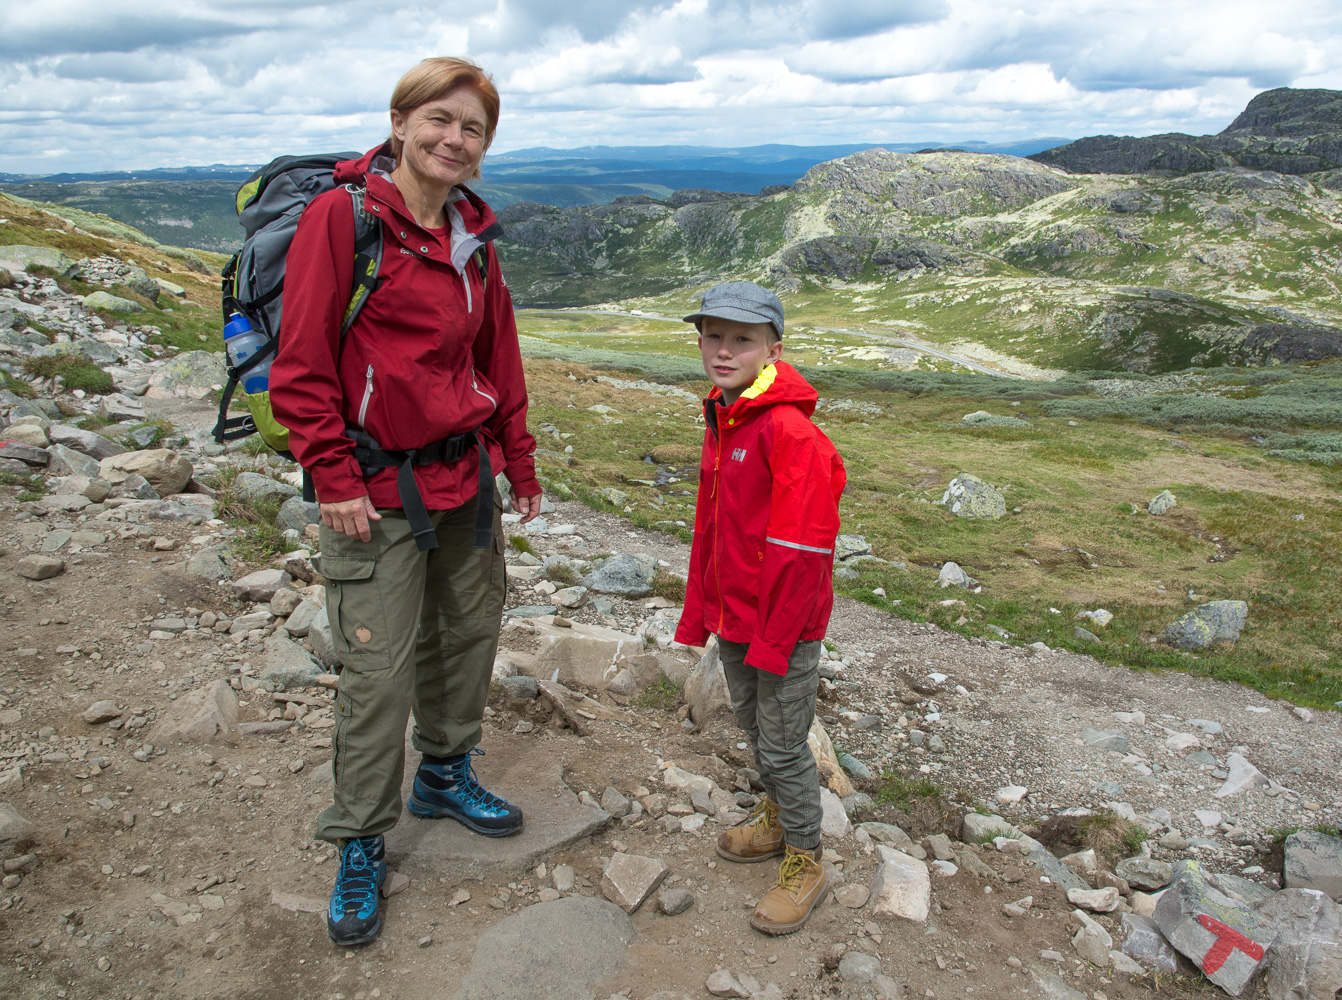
[{"x": 528, "y": 507}]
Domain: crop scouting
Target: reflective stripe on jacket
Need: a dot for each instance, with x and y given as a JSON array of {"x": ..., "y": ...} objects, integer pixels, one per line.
[
  {"x": 434, "y": 352},
  {"x": 765, "y": 522}
]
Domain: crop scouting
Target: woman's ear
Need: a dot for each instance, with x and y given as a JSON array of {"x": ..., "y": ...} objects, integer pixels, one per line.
[{"x": 398, "y": 124}]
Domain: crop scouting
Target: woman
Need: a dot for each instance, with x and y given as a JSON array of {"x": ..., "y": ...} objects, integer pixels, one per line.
[{"x": 402, "y": 423}]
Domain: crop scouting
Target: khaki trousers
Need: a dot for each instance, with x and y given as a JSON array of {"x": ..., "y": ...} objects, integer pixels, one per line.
[
  {"x": 776, "y": 712},
  {"x": 415, "y": 631}
]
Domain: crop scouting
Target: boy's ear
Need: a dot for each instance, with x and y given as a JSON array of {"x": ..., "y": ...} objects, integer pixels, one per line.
[{"x": 775, "y": 351}]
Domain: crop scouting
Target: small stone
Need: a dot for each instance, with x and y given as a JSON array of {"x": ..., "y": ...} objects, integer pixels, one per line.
[
  {"x": 674, "y": 901},
  {"x": 394, "y": 882},
  {"x": 1092, "y": 942},
  {"x": 100, "y": 712},
  {"x": 1162, "y": 503},
  {"x": 858, "y": 967},
  {"x": 617, "y": 805},
  {"x": 1143, "y": 941},
  {"x": 1011, "y": 794},
  {"x": 630, "y": 878},
  {"x": 1241, "y": 777},
  {"x": 40, "y": 567},
  {"x": 853, "y": 896},
  {"x": 564, "y": 878},
  {"x": 722, "y": 984},
  {"x": 1144, "y": 873},
  {"x": 1094, "y": 900},
  {"x": 901, "y": 887}
]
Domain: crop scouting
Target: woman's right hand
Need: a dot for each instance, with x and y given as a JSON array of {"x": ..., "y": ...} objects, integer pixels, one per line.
[{"x": 351, "y": 517}]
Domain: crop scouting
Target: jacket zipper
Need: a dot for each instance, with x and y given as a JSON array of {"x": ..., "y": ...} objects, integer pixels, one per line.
[
  {"x": 717, "y": 561},
  {"x": 367, "y": 395},
  {"x": 476, "y": 387},
  {"x": 466, "y": 280}
]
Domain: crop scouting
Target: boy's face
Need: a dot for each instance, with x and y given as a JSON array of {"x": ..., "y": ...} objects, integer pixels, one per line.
[{"x": 735, "y": 353}]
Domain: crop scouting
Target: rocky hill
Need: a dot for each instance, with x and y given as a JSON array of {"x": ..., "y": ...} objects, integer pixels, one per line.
[
  {"x": 1016, "y": 262},
  {"x": 1284, "y": 130}
]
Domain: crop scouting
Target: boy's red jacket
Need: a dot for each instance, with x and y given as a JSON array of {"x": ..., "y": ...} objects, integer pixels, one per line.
[
  {"x": 434, "y": 351},
  {"x": 765, "y": 524}
]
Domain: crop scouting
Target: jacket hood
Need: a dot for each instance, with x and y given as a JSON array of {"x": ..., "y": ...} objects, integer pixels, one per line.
[
  {"x": 778, "y": 383},
  {"x": 373, "y": 170}
]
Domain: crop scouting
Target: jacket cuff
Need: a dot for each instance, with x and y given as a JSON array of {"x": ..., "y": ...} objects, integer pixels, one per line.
[
  {"x": 336, "y": 483},
  {"x": 763, "y": 656},
  {"x": 528, "y": 486},
  {"x": 690, "y": 633}
]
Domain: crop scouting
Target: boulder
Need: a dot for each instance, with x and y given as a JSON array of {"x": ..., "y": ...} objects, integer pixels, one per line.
[
  {"x": 705, "y": 690},
  {"x": 195, "y": 370},
  {"x": 40, "y": 567},
  {"x": 118, "y": 406},
  {"x": 32, "y": 434},
  {"x": 211, "y": 563},
  {"x": 22, "y": 256},
  {"x": 1242, "y": 776},
  {"x": 12, "y": 451},
  {"x": 165, "y": 470},
  {"x": 1162, "y": 503},
  {"x": 67, "y": 461},
  {"x": 832, "y": 774},
  {"x": 1143, "y": 941},
  {"x": 206, "y": 715},
  {"x": 319, "y": 638},
  {"x": 136, "y": 487},
  {"x": 834, "y": 822},
  {"x": 952, "y": 575},
  {"x": 285, "y": 666},
  {"x": 301, "y": 619},
  {"x": 970, "y": 497},
  {"x": 94, "y": 445},
  {"x": 16, "y": 832},
  {"x": 297, "y": 513},
  {"x": 1226, "y": 940},
  {"x": 591, "y": 656},
  {"x": 1145, "y": 873},
  {"x": 253, "y": 486},
  {"x": 1091, "y": 941},
  {"x": 625, "y": 574},
  {"x": 111, "y": 303},
  {"x": 100, "y": 712},
  {"x": 1209, "y": 623},
  {"x": 1305, "y": 960},
  {"x": 1314, "y": 861},
  {"x": 901, "y": 887},
  {"x": 850, "y": 547},
  {"x": 261, "y": 585}
]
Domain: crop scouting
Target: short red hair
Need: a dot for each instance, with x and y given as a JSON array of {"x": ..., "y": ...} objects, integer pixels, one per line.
[{"x": 435, "y": 77}]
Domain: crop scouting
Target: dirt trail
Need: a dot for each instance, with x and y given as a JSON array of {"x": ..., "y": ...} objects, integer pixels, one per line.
[{"x": 154, "y": 877}]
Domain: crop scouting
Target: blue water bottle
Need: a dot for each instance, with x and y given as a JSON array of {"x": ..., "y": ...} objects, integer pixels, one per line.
[{"x": 241, "y": 341}]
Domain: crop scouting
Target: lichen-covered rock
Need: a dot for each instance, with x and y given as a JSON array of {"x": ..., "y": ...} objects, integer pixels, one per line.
[
  {"x": 982, "y": 418},
  {"x": 628, "y": 575},
  {"x": 22, "y": 256},
  {"x": 1163, "y": 502},
  {"x": 111, "y": 303},
  {"x": 970, "y": 497},
  {"x": 1209, "y": 623},
  {"x": 254, "y": 486},
  {"x": 200, "y": 370}
]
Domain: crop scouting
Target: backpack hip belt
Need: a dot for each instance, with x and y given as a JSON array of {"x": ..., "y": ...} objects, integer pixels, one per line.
[{"x": 371, "y": 456}]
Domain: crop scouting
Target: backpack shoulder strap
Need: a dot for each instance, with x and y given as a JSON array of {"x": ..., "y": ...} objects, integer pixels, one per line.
[{"x": 368, "y": 245}]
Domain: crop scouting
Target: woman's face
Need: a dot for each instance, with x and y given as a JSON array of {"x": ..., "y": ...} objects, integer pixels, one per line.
[{"x": 443, "y": 141}]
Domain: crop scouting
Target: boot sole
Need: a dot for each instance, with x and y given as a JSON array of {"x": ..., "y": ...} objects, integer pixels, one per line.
[
  {"x": 425, "y": 811},
  {"x": 743, "y": 860}
]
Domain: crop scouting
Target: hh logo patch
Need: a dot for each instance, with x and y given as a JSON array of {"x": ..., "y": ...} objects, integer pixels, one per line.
[{"x": 738, "y": 454}]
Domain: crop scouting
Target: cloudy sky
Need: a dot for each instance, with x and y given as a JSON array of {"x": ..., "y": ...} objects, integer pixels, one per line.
[{"x": 111, "y": 84}]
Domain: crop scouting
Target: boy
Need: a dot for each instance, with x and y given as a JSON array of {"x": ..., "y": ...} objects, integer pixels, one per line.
[{"x": 760, "y": 565}]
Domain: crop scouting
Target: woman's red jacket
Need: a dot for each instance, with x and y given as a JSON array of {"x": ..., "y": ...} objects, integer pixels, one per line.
[{"x": 434, "y": 351}]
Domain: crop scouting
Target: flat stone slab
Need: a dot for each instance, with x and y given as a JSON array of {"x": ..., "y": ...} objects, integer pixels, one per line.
[
  {"x": 532, "y": 781},
  {"x": 1314, "y": 861},
  {"x": 1223, "y": 938},
  {"x": 560, "y": 950}
]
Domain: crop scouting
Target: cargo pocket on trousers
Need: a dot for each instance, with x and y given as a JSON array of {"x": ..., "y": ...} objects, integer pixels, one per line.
[
  {"x": 354, "y": 605},
  {"x": 796, "y": 706}
]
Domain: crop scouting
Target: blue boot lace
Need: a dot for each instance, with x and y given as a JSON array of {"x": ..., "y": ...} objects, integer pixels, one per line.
[
  {"x": 468, "y": 786},
  {"x": 356, "y": 884}
]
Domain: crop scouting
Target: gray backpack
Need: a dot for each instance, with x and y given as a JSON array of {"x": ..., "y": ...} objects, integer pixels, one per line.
[{"x": 269, "y": 205}]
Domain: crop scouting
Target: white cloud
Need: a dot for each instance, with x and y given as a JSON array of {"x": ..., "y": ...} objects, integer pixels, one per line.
[{"x": 113, "y": 84}]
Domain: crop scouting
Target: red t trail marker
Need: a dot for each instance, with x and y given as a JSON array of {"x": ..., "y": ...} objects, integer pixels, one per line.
[{"x": 1227, "y": 940}]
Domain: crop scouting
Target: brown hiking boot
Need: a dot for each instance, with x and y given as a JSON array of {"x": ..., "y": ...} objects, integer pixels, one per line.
[
  {"x": 800, "y": 886},
  {"x": 758, "y": 838}
]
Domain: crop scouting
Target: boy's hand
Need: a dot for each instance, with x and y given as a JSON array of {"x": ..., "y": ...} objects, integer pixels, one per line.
[{"x": 528, "y": 507}]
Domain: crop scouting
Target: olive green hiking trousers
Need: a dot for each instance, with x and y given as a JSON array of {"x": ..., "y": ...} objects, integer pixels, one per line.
[{"x": 415, "y": 631}]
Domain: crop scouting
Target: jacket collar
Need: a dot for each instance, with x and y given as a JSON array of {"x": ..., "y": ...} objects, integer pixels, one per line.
[
  {"x": 471, "y": 222},
  {"x": 777, "y": 383}
]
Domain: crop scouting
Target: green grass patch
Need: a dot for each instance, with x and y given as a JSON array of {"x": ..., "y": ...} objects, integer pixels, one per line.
[
  {"x": 17, "y": 386},
  {"x": 521, "y": 544},
  {"x": 668, "y": 585},
  {"x": 664, "y": 696},
  {"x": 903, "y": 792},
  {"x": 260, "y": 539},
  {"x": 74, "y": 370}
]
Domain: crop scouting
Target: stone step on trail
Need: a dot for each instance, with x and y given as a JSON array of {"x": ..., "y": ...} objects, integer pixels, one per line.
[{"x": 525, "y": 774}]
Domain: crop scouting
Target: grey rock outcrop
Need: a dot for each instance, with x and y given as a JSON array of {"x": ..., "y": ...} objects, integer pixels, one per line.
[{"x": 1216, "y": 621}]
